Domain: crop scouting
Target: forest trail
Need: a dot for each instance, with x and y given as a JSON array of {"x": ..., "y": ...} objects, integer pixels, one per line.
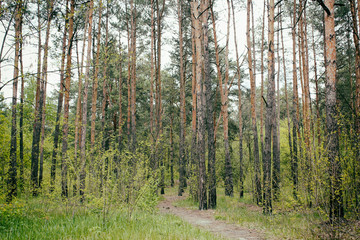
[{"x": 206, "y": 220}]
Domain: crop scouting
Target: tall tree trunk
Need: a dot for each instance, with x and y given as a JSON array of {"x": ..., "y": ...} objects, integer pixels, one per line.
[
  {"x": 295, "y": 107},
  {"x": 209, "y": 108},
  {"x": 38, "y": 121},
  {"x": 193, "y": 166},
  {"x": 182, "y": 160},
  {"x": 171, "y": 151},
  {"x": 228, "y": 168},
  {"x": 195, "y": 7},
  {"x": 238, "y": 72},
  {"x": 22, "y": 96},
  {"x": 152, "y": 66},
  {"x": 95, "y": 81},
  {"x": 276, "y": 134},
  {"x": 12, "y": 181},
  {"x": 59, "y": 106},
  {"x": 262, "y": 87},
  {"x": 336, "y": 211},
  {"x": 64, "y": 160},
  {"x": 270, "y": 113},
  {"x": 253, "y": 109},
  {"x": 84, "y": 104},
  {"x": 133, "y": 76}
]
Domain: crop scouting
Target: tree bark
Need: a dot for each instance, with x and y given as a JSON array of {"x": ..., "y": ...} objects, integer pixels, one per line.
[
  {"x": 64, "y": 162},
  {"x": 209, "y": 108},
  {"x": 38, "y": 121},
  {"x": 336, "y": 211},
  {"x": 182, "y": 160},
  {"x": 12, "y": 181},
  {"x": 84, "y": 104},
  {"x": 295, "y": 107},
  {"x": 241, "y": 164},
  {"x": 195, "y": 7},
  {"x": 59, "y": 106},
  {"x": 270, "y": 113},
  {"x": 253, "y": 109}
]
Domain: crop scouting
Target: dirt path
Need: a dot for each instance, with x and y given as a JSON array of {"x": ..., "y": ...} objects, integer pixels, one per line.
[{"x": 206, "y": 220}]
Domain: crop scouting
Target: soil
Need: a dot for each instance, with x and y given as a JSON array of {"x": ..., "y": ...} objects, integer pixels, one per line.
[{"x": 206, "y": 220}]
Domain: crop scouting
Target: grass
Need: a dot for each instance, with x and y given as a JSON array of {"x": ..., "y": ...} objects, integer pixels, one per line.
[{"x": 40, "y": 219}]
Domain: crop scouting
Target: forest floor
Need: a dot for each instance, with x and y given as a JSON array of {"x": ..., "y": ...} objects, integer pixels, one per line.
[{"x": 206, "y": 220}]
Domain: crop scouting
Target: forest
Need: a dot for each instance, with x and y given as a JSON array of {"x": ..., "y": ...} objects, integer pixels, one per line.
[{"x": 248, "y": 111}]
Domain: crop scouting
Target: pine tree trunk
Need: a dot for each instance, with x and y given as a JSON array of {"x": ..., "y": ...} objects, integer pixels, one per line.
[
  {"x": 229, "y": 191},
  {"x": 84, "y": 104},
  {"x": 209, "y": 109},
  {"x": 95, "y": 81},
  {"x": 64, "y": 162},
  {"x": 152, "y": 63},
  {"x": 253, "y": 109},
  {"x": 59, "y": 107},
  {"x": 193, "y": 165},
  {"x": 241, "y": 164},
  {"x": 182, "y": 160},
  {"x": 22, "y": 95},
  {"x": 270, "y": 113},
  {"x": 12, "y": 172},
  {"x": 195, "y": 7},
  {"x": 40, "y": 113},
  {"x": 336, "y": 211},
  {"x": 133, "y": 76}
]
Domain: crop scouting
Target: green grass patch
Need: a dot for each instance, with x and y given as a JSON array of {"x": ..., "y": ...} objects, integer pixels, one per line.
[{"x": 40, "y": 219}]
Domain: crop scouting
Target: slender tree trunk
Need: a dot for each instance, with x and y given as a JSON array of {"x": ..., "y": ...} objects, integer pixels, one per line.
[
  {"x": 171, "y": 151},
  {"x": 182, "y": 160},
  {"x": 295, "y": 107},
  {"x": 59, "y": 107},
  {"x": 270, "y": 113},
  {"x": 120, "y": 98},
  {"x": 241, "y": 164},
  {"x": 152, "y": 66},
  {"x": 64, "y": 162},
  {"x": 193, "y": 166},
  {"x": 228, "y": 168},
  {"x": 262, "y": 87},
  {"x": 12, "y": 181},
  {"x": 38, "y": 121},
  {"x": 95, "y": 81},
  {"x": 253, "y": 109},
  {"x": 22, "y": 96},
  {"x": 84, "y": 104},
  {"x": 209, "y": 108},
  {"x": 133, "y": 76},
  {"x": 336, "y": 211},
  {"x": 195, "y": 7},
  {"x": 276, "y": 131}
]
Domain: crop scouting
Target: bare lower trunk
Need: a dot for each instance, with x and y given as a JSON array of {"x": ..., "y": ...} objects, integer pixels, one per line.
[
  {"x": 59, "y": 108},
  {"x": 336, "y": 211},
  {"x": 241, "y": 164},
  {"x": 84, "y": 104},
  {"x": 64, "y": 162},
  {"x": 12, "y": 181},
  {"x": 270, "y": 113}
]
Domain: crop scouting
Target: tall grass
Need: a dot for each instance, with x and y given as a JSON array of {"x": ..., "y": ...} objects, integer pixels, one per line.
[{"x": 38, "y": 219}]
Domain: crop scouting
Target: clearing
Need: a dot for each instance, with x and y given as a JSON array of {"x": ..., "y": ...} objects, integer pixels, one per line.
[{"x": 206, "y": 220}]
